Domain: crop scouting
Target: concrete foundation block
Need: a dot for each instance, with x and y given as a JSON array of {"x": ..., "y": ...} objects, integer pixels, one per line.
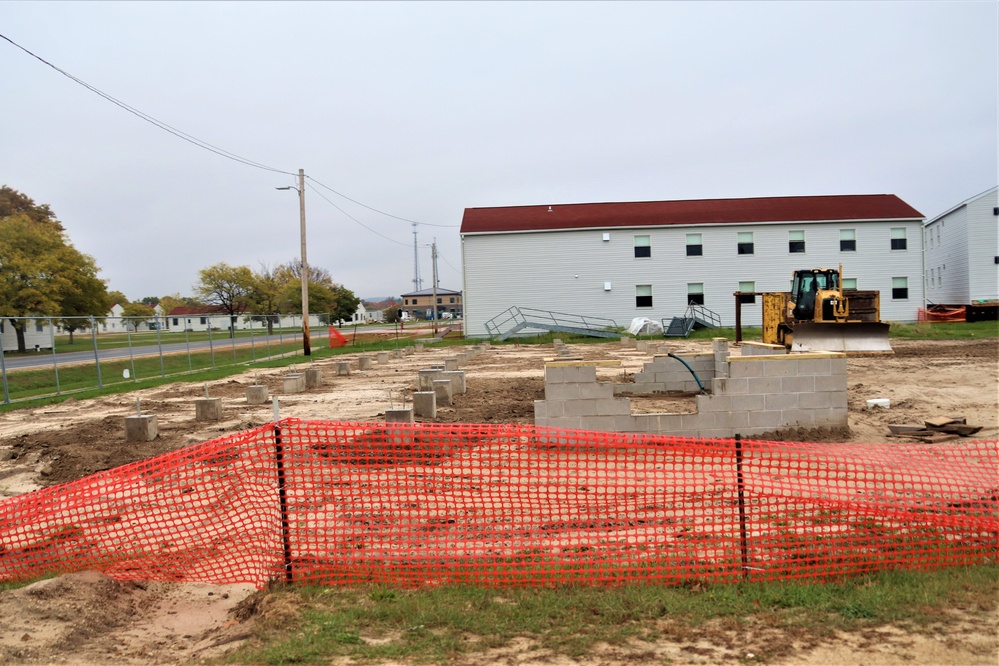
[
  {"x": 364, "y": 363},
  {"x": 383, "y": 357},
  {"x": 294, "y": 383},
  {"x": 256, "y": 395},
  {"x": 343, "y": 368},
  {"x": 399, "y": 415},
  {"x": 457, "y": 378},
  {"x": 419, "y": 347},
  {"x": 425, "y": 404},
  {"x": 444, "y": 391},
  {"x": 141, "y": 428},
  {"x": 208, "y": 409},
  {"x": 397, "y": 353},
  {"x": 450, "y": 364},
  {"x": 426, "y": 378},
  {"x": 313, "y": 378}
]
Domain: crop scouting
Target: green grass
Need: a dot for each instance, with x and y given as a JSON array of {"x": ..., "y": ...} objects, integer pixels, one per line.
[
  {"x": 920, "y": 331},
  {"x": 437, "y": 625},
  {"x": 34, "y": 387}
]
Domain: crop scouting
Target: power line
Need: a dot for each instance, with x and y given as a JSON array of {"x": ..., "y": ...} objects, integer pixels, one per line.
[
  {"x": 151, "y": 120},
  {"x": 381, "y": 212},
  {"x": 323, "y": 197}
]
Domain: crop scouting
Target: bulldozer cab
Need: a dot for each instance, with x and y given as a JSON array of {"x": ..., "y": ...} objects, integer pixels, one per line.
[{"x": 806, "y": 285}]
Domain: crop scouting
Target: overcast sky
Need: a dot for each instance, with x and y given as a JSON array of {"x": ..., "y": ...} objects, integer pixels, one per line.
[{"x": 420, "y": 110}]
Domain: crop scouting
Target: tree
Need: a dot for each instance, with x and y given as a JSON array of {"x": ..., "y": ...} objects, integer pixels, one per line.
[
  {"x": 325, "y": 296},
  {"x": 170, "y": 303},
  {"x": 266, "y": 295},
  {"x": 13, "y": 203},
  {"x": 137, "y": 313},
  {"x": 228, "y": 287},
  {"x": 117, "y": 298},
  {"x": 151, "y": 301},
  {"x": 41, "y": 273},
  {"x": 86, "y": 296}
]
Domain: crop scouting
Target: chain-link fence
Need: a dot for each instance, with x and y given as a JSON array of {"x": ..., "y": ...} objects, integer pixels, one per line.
[{"x": 43, "y": 356}]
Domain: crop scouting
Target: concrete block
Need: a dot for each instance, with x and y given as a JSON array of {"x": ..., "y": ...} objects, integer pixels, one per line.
[
  {"x": 383, "y": 357},
  {"x": 141, "y": 428},
  {"x": 746, "y": 367},
  {"x": 313, "y": 378},
  {"x": 816, "y": 400},
  {"x": 694, "y": 423},
  {"x": 426, "y": 378},
  {"x": 731, "y": 421},
  {"x": 768, "y": 420},
  {"x": 670, "y": 424},
  {"x": 540, "y": 410},
  {"x": 457, "y": 378},
  {"x": 397, "y": 353},
  {"x": 601, "y": 423},
  {"x": 837, "y": 365},
  {"x": 408, "y": 351},
  {"x": 713, "y": 403},
  {"x": 729, "y": 386},
  {"x": 761, "y": 385},
  {"x": 830, "y": 383},
  {"x": 364, "y": 363},
  {"x": 571, "y": 374},
  {"x": 553, "y": 408},
  {"x": 208, "y": 409},
  {"x": 781, "y": 401},
  {"x": 644, "y": 423},
  {"x": 779, "y": 366},
  {"x": 562, "y": 391},
  {"x": 256, "y": 395},
  {"x": 748, "y": 403},
  {"x": 719, "y": 345},
  {"x": 419, "y": 347},
  {"x": 799, "y": 384},
  {"x": 814, "y": 366},
  {"x": 425, "y": 404},
  {"x": 596, "y": 390},
  {"x": 444, "y": 391},
  {"x": 801, "y": 418},
  {"x": 450, "y": 364},
  {"x": 399, "y": 415},
  {"x": 342, "y": 368},
  {"x": 294, "y": 383}
]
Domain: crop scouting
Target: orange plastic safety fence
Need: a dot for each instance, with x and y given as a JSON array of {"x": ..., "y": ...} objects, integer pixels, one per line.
[
  {"x": 940, "y": 313},
  {"x": 499, "y": 505}
]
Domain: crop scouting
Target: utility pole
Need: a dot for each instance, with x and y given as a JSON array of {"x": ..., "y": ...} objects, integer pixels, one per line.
[
  {"x": 417, "y": 280},
  {"x": 306, "y": 344},
  {"x": 433, "y": 257}
]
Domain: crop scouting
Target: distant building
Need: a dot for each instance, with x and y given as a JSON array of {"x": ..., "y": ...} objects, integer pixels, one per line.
[
  {"x": 962, "y": 252},
  {"x": 652, "y": 258},
  {"x": 420, "y": 304}
]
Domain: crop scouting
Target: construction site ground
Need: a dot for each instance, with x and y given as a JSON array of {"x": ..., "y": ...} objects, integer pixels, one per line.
[{"x": 89, "y": 619}]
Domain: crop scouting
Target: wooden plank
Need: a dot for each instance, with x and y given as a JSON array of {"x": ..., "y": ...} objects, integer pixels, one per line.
[
  {"x": 938, "y": 421},
  {"x": 903, "y": 428},
  {"x": 938, "y": 437}
]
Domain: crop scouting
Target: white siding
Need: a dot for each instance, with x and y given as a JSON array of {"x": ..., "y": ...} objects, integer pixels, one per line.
[
  {"x": 961, "y": 266},
  {"x": 565, "y": 271}
]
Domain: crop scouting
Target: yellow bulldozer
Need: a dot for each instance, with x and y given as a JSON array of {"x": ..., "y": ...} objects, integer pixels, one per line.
[{"x": 819, "y": 314}]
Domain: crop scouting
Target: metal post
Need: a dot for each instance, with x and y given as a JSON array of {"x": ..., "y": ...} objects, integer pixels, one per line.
[
  {"x": 3, "y": 374},
  {"x": 433, "y": 256},
  {"x": 187, "y": 340},
  {"x": 211, "y": 347},
  {"x": 159, "y": 345},
  {"x": 744, "y": 541},
  {"x": 55, "y": 361},
  {"x": 131, "y": 356},
  {"x": 97, "y": 357},
  {"x": 282, "y": 499},
  {"x": 738, "y": 317}
]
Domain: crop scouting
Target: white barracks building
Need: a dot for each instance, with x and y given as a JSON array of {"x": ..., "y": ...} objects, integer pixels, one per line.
[{"x": 650, "y": 259}]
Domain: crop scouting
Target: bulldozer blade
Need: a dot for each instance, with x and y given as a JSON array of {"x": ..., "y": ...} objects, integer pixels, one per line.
[{"x": 856, "y": 337}]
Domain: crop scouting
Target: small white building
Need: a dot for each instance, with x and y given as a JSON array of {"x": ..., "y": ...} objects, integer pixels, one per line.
[
  {"x": 651, "y": 259},
  {"x": 962, "y": 252},
  {"x": 38, "y": 334}
]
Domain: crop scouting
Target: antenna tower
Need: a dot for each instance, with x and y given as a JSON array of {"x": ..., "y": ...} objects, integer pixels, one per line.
[{"x": 417, "y": 280}]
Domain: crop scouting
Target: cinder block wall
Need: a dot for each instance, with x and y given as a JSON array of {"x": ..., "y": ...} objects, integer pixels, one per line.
[{"x": 750, "y": 395}]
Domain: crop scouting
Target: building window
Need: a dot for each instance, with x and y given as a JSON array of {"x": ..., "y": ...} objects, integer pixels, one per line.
[
  {"x": 38, "y": 327},
  {"x": 847, "y": 240},
  {"x": 899, "y": 288},
  {"x": 695, "y": 293},
  {"x": 439, "y": 301},
  {"x": 175, "y": 322},
  {"x": 745, "y": 242},
  {"x": 898, "y": 241},
  {"x": 643, "y": 296},
  {"x": 643, "y": 246},
  {"x": 795, "y": 241},
  {"x": 849, "y": 283},
  {"x": 747, "y": 292},
  {"x": 204, "y": 321},
  {"x": 451, "y": 300},
  {"x": 694, "y": 247}
]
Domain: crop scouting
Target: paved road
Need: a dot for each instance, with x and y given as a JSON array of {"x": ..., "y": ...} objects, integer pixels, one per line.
[{"x": 220, "y": 345}]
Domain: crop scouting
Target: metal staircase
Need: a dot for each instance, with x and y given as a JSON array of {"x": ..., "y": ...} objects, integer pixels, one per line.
[
  {"x": 696, "y": 316},
  {"x": 515, "y": 319}
]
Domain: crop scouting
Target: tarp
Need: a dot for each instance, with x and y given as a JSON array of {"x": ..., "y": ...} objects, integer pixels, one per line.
[{"x": 644, "y": 325}]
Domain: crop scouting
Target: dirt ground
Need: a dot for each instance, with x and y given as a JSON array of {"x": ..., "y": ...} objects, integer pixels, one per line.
[{"x": 88, "y": 618}]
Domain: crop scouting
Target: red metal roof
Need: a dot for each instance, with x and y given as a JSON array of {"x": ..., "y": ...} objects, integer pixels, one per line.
[{"x": 698, "y": 211}]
